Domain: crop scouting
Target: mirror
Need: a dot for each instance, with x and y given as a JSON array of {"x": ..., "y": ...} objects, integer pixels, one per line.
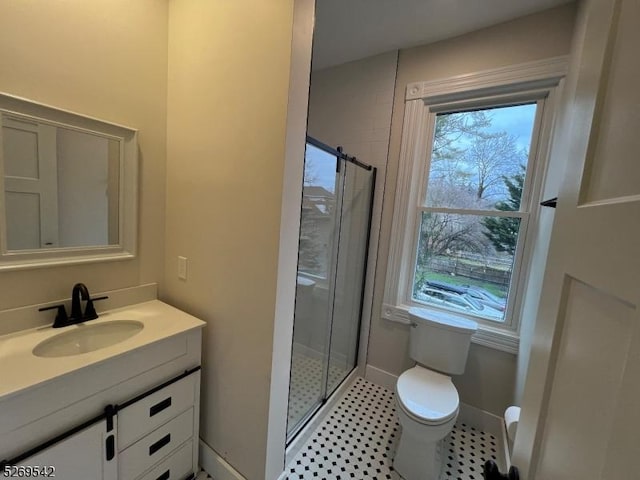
[{"x": 68, "y": 186}]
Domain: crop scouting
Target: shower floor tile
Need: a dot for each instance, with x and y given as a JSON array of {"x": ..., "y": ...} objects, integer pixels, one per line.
[
  {"x": 359, "y": 436},
  {"x": 306, "y": 380}
]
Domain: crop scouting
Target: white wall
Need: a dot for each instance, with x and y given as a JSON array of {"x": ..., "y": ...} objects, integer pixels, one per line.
[
  {"x": 489, "y": 380},
  {"x": 106, "y": 59},
  {"x": 229, "y": 66}
]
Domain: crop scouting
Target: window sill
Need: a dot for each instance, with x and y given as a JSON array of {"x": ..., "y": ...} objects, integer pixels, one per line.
[{"x": 487, "y": 336}]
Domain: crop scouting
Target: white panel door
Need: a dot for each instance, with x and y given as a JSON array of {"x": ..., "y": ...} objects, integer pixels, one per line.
[
  {"x": 30, "y": 184},
  {"x": 82, "y": 456},
  {"x": 580, "y": 415}
]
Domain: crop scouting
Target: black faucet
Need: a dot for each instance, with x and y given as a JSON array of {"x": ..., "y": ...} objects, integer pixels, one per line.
[
  {"x": 79, "y": 289},
  {"x": 79, "y": 292}
]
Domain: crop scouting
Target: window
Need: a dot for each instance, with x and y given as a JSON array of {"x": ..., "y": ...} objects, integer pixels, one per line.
[
  {"x": 472, "y": 163},
  {"x": 472, "y": 213}
]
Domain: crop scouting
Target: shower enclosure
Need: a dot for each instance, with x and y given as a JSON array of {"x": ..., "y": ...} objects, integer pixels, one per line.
[{"x": 334, "y": 235}]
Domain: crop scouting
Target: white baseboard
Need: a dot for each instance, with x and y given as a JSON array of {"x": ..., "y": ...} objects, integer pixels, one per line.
[
  {"x": 480, "y": 420},
  {"x": 488, "y": 423},
  {"x": 470, "y": 415},
  {"x": 215, "y": 465},
  {"x": 507, "y": 446},
  {"x": 381, "y": 377}
]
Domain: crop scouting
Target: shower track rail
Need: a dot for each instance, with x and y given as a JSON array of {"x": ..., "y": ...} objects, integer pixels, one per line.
[{"x": 338, "y": 153}]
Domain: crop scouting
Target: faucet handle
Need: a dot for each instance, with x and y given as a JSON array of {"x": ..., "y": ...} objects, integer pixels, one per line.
[
  {"x": 90, "y": 311},
  {"x": 62, "y": 320}
]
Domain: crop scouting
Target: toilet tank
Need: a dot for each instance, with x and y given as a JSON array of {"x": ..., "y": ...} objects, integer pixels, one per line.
[{"x": 440, "y": 341}]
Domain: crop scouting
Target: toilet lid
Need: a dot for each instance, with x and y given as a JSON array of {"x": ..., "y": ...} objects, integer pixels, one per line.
[{"x": 427, "y": 396}]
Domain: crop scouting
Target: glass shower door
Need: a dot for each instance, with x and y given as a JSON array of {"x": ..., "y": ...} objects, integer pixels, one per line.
[
  {"x": 334, "y": 232},
  {"x": 319, "y": 224},
  {"x": 352, "y": 249}
]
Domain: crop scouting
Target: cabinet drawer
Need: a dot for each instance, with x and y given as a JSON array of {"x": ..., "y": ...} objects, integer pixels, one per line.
[
  {"x": 176, "y": 467},
  {"x": 147, "y": 414},
  {"x": 155, "y": 447}
]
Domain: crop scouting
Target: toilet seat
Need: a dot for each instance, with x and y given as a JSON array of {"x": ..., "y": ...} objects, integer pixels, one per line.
[{"x": 427, "y": 397}]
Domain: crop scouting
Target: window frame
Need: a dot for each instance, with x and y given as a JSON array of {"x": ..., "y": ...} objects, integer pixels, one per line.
[
  {"x": 535, "y": 82},
  {"x": 524, "y": 214}
]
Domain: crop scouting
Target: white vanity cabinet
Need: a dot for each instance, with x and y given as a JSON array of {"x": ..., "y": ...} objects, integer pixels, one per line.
[
  {"x": 150, "y": 437},
  {"x": 133, "y": 415}
]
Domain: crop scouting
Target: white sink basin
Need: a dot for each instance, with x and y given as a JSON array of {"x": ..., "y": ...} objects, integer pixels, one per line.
[{"x": 88, "y": 338}]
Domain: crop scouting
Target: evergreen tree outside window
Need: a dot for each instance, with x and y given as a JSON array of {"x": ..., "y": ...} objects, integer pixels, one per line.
[{"x": 501, "y": 231}]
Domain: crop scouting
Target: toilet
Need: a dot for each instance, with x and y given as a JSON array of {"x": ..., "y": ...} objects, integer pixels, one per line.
[{"x": 427, "y": 402}]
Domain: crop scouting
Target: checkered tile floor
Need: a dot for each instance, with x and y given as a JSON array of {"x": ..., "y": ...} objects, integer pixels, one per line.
[
  {"x": 358, "y": 438},
  {"x": 306, "y": 380}
]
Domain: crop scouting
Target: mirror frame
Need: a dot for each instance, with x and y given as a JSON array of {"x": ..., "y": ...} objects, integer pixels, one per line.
[{"x": 126, "y": 247}]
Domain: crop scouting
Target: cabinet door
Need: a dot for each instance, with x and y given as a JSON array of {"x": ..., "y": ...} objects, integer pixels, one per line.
[{"x": 87, "y": 454}]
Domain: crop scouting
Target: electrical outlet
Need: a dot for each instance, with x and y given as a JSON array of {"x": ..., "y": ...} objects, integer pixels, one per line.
[{"x": 182, "y": 268}]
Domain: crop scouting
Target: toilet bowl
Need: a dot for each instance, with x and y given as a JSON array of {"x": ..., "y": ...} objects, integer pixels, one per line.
[
  {"x": 428, "y": 406},
  {"x": 427, "y": 401}
]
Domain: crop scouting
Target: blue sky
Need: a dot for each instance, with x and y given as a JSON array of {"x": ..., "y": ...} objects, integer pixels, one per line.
[
  {"x": 321, "y": 167},
  {"x": 517, "y": 121}
]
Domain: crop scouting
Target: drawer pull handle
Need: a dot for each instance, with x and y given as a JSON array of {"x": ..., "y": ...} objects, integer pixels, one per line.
[
  {"x": 158, "y": 407},
  {"x": 110, "y": 448},
  {"x": 165, "y": 476},
  {"x": 159, "y": 444}
]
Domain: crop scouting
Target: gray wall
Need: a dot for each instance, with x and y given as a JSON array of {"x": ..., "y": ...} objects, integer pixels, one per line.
[
  {"x": 351, "y": 105},
  {"x": 489, "y": 380}
]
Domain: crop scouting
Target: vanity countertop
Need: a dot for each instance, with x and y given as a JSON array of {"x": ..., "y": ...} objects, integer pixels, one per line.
[{"x": 21, "y": 370}]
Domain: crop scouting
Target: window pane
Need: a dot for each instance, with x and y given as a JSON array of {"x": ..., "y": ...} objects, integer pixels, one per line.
[
  {"x": 479, "y": 158},
  {"x": 464, "y": 263}
]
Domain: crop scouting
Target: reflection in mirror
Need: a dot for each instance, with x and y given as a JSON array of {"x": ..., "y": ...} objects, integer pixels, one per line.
[
  {"x": 68, "y": 187},
  {"x": 61, "y": 185}
]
